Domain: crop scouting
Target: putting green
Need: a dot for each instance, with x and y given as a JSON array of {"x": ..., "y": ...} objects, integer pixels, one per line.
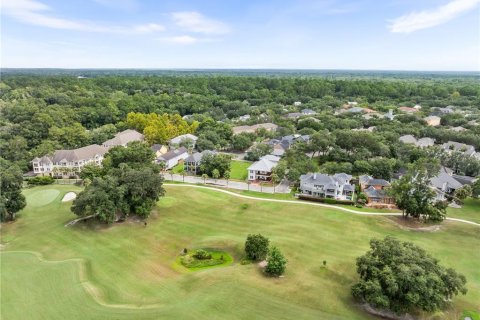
[{"x": 43, "y": 197}]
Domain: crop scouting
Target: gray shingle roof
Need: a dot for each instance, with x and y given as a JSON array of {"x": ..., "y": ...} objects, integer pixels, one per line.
[
  {"x": 124, "y": 137},
  {"x": 79, "y": 154},
  {"x": 172, "y": 154},
  {"x": 179, "y": 139}
]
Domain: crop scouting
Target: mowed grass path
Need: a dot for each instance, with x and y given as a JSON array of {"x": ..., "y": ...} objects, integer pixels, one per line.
[
  {"x": 128, "y": 270},
  {"x": 470, "y": 210}
]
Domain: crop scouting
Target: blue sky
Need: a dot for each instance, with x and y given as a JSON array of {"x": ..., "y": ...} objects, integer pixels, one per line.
[{"x": 322, "y": 34}]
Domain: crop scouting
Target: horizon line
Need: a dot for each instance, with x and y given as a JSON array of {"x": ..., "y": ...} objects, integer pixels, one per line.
[{"x": 236, "y": 69}]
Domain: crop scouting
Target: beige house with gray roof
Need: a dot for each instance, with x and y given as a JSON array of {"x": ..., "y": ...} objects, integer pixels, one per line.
[
  {"x": 69, "y": 160},
  {"x": 123, "y": 138}
]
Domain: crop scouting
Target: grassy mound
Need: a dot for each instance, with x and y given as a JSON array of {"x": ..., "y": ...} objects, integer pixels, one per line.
[{"x": 213, "y": 258}]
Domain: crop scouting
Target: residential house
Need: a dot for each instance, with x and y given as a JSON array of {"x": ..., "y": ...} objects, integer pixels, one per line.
[
  {"x": 192, "y": 163},
  {"x": 417, "y": 106},
  {"x": 159, "y": 149},
  {"x": 408, "y": 109},
  {"x": 123, "y": 138},
  {"x": 444, "y": 183},
  {"x": 283, "y": 144},
  {"x": 458, "y": 129},
  {"x": 432, "y": 121},
  {"x": 244, "y": 117},
  {"x": 293, "y": 115},
  {"x": 325, "y": 186},
  {"x": 452, "y": 146},
  {"x": 425, "y": 142},
  {"x": 297, "y": 103},
  {"x": 173, "y": 157},
  {"x": 308, "y": 112},
  {"x": 356, "y": 110},
  {"x": 252, "y": 129},
  {"x": 389, "y": 115},
  {"x": 421, "y": 143},
  {"x": 69, "y": 161},
  {"x": 175, "y": 142},
  {"x": 375, "y": 190},
  {"x": 446, "y": 110},
  {"x": 261, "y": 170}
]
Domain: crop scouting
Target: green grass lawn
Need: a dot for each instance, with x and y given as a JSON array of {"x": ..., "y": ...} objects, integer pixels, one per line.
[
  {"x": 470, "y": 210},
  {"x": 238, "y": 169},
  {"x": 179, "y": 168},
  {"x": 129, "y": 270}
]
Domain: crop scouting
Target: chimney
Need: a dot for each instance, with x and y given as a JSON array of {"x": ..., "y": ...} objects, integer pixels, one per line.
[{"x": 315, "y": 175}]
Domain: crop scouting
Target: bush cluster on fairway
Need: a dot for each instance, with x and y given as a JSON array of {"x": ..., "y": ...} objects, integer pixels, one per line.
[
  {"x": 203, "y": 258},
  {"x": 202, "y": 254},
  {"x": 276, "y": 263},
  {"x": 256, "y": 247},
  {"x": 402, "y": 277}
]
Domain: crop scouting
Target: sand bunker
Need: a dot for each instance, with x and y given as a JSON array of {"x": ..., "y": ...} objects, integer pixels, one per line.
[{"x": 69, "y": 196}]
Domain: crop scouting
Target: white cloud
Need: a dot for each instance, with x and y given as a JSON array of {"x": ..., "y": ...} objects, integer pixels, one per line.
[
  {"x": 36, "y": 13},
  {"x": 196, "y": 22},
  {"x": 180, "y": 39},
  {"x": 125, "y": 5},
  {"x": 431, "y": 18},
  {"x": 149, "y": 27}
]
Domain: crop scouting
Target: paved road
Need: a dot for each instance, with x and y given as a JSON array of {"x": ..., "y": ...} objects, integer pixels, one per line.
[
  {"x": 312, "y": 204},
  {"x": 283, "y": 187}
]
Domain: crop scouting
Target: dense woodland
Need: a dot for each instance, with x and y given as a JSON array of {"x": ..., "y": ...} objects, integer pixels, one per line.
[{"x": 41, "y": 113}]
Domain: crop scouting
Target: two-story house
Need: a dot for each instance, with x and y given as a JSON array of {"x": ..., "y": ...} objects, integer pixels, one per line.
[
  {"x": 173, "y": 157},
  {"x": 262, "y": 169},
  {"x": 325, "y": 186},
  {"x": 375, "y": 190},
  {"x": 192, "y": 163}
]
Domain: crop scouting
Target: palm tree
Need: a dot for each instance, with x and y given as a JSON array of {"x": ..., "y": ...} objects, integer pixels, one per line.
[
  {"x": 226, "y": 175},
  {"x": 275, "y": 179}
]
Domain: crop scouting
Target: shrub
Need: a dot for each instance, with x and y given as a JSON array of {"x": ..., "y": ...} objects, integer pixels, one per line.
[
  {"x": 276, "y": 263},
  {"x": 330, "y": 201},
  {"x": 41, "y": 181},
  {"x": 256, "y": 247},
  {"x": 244, "y": 206},
  {"x": 201, "y": 254}
]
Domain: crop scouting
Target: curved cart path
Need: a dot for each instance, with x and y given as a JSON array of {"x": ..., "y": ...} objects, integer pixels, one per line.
[{"x": 309, "y": 203}]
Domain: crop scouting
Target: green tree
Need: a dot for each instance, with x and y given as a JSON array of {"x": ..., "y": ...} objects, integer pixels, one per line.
[
  {"x": 215, "y": 174},
  {"x": 11, "y": 198},
  {"x": 242, "y": 141},
  {"x": 402, "y": 277},
  {"x": 226, "y": 175},
  {"x": 91, "y": 171},
  {"x": 413, "y": 194},
  {"x": 204, "y": 177},
  {"x": 462, "y": 193},
  {"x": 276, "y": 263},
  {"x": 256, "y": 247},
  {"x": 476, "y": 188},
  {"x": 258, "y": 151},
  {"x": 211, "y": 162},
  {"x": 136, "y": 154}
]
